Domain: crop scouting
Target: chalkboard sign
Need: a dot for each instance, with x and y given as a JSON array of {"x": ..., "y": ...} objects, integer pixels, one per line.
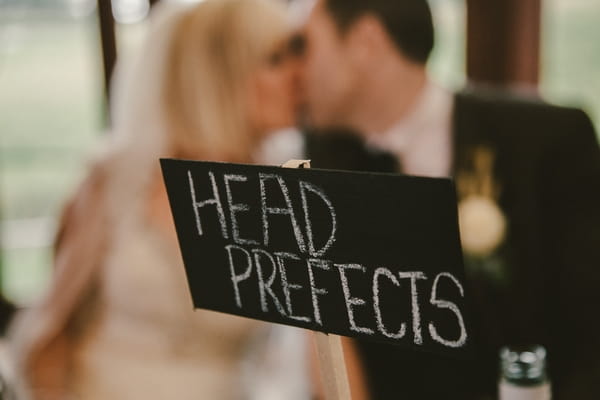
[{"x": 356, "y": 254}]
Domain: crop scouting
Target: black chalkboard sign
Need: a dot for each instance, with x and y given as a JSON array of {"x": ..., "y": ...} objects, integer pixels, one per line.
[{"x": 357, "y": 254}]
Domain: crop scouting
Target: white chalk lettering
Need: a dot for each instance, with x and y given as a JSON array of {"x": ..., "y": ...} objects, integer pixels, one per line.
[
  {"x": 309, "y": 187},
  {"x": 380, "y": 326},
  {"x": 287, "y": 210},
  {"x": 235, "y": 208},
  {"x": 237, "y": 278},
  {"x": 451, "y": 306},
  {"x": 416, "y": 313},
  {"x": 315, "y": 292},
  {"x": 216, "y": 200},
  {"x": 287, "y": 286},
  {"x": 264, "y": 288},
  {"x": 352, "y": 301}
]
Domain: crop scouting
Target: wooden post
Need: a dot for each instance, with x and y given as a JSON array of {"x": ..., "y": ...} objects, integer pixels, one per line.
[
  {"x": 503, "y": 42},
  {"x": 332, "y": 364},
  {"x": 109, "y": 45}
]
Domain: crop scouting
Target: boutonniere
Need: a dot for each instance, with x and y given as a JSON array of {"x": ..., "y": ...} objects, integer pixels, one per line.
[{"x": 482, "y": 222}]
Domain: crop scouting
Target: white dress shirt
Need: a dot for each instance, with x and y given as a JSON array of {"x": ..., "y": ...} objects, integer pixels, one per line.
[{"x": 422, "y": 140}]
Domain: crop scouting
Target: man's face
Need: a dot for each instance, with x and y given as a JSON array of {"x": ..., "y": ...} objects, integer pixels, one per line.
[{"x": 329, "y": 76}]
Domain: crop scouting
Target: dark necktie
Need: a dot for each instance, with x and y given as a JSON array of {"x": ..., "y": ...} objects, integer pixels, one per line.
[{"x": 344, "y": 150}]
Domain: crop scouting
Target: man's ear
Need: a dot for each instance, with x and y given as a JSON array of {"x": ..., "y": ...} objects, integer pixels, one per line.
[{"x": 366, "y": 39}]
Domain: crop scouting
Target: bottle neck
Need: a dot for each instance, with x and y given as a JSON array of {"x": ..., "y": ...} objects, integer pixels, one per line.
[{"x": 510, "y": 391}]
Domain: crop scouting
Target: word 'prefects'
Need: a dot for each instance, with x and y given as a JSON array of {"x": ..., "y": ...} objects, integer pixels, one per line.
[{"x": 307, "y": 214}]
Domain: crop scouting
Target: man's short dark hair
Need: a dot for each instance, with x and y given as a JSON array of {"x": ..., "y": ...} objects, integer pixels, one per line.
[{"x": 408, "y": 22}]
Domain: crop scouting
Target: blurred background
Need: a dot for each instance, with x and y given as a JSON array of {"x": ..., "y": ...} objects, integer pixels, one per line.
[{"x": 54, "y": 65}]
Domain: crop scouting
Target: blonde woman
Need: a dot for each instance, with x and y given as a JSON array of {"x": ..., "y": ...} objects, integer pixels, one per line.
[{"x": 211, "y": 82}]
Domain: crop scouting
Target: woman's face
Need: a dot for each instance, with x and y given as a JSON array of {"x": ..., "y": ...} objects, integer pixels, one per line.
[{"x": 274, "y": 89}]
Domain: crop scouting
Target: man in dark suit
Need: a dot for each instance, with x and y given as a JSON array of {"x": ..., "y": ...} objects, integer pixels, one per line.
[{"x": 534, "y": 268}]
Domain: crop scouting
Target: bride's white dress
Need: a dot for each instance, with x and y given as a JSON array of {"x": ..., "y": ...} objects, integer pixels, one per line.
[{"x": 144, "y": 340}]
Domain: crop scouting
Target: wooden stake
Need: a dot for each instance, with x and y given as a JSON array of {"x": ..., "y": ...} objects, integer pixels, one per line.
[{"x": 332, "y": 364}]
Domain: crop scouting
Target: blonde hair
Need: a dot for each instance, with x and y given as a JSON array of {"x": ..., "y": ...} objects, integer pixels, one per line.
[
  {"x": 214, "y": 49},
  {"x": 182, "y": 94}
]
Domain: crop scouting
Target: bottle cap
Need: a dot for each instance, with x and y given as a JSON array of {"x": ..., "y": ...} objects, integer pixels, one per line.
[{"x": 523, "y": 365}]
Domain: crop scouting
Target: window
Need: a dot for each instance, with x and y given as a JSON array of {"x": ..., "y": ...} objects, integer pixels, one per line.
[
  {"x": 447, "y": 64},
  {"x": 570, "y": 71},
  {"x": 51, "y": 116}
]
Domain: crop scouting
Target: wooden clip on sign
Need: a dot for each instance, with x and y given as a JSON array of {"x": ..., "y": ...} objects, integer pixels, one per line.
[{"x": 374, "y": 256}]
